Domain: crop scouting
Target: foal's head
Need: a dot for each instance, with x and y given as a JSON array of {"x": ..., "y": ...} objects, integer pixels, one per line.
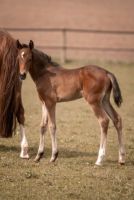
[{"x": 24, "y": 57}]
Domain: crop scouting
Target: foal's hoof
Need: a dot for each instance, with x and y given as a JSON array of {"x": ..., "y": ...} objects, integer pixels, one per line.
[
  {"x": 121, "y": 162},
  {"x": 24, "y": 156},
  {"x": 24, "y": 153},
  {"x": 54, "y": 157},
  {"x": 38, "y": 157},
  {"x": 98, "y": 164}
]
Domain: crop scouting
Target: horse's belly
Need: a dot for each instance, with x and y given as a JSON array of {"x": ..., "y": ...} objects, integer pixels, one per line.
[{"x": 69, "y": 96}]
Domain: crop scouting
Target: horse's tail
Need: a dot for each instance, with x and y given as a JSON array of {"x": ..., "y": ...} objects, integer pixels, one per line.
[
  {"x": 116, "y": 90},
  {"x": 8, "y": 84}
]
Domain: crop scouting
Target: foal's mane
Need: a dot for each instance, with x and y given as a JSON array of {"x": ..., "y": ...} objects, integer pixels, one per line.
[
  {"x": 46, "y": 59},
  {"x": 50, "y": 61},
  {"x": 42, "y": 56}
]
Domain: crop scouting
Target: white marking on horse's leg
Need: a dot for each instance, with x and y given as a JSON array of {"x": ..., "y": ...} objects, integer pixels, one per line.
[
  {"x": 24, "y": 143},
  {"x": 103, "y": 140},
  {"x": 41, "y": 144},
  {"x": 52, "y": 129},
  {"x": 121, "y": 141},
  {"x": 101, "y": 155},
  {"x": 43, "y": 129},
  {"x": 102, "y": 149},
  {"x": 43, "y": 125},
  {"x": 103, "y": 120},
  {"x": 118, "y": 125}
]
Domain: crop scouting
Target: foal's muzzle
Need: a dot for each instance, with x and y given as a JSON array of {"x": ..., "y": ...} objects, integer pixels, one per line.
[{"x": 23, "y": 76}]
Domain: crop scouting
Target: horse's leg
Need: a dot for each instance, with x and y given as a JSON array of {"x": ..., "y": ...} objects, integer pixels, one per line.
[
  {"x": 21, "y": 120},
  {"x": 103, "y": 122},
  {"x": 52, "y": 129},
  {"x": 43, "y": 129},
  {"x": 117, "y": 121}
]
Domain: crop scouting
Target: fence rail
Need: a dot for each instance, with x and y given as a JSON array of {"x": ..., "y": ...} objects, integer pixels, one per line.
[
  {"x": 65, "y": 45},
  {"x": 128, "y": 32}
]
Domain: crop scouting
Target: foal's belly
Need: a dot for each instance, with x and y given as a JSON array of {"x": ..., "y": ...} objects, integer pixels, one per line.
[
  {"x": 69, "y": 96},
  {"x": 67, "y": 86}
]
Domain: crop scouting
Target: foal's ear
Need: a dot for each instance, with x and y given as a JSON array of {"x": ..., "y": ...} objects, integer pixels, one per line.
[
  {"x": 31, "y": 44},
  {"x": 18, "y": 44}
]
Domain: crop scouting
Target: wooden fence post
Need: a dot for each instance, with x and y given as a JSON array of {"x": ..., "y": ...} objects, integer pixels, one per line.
[{"x": 64, "y": 46}]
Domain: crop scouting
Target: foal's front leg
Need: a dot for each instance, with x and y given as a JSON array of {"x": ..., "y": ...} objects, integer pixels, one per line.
[
  {"x": 43, "y": 129},
  {"x": 52, "y": 128}
]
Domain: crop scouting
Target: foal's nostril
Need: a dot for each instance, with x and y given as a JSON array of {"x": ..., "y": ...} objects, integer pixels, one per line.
[{"x": 23, "y": 76}]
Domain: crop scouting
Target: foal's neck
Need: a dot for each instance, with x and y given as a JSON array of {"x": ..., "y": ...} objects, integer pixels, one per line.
[{"x": 39, "y": 65}]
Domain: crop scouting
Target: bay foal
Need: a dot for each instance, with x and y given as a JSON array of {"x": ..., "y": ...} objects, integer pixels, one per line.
[{"x": 56, "y": 84}]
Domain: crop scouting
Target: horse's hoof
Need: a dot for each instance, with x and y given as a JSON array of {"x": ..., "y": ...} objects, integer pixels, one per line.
[
  {"x": 38, "y": 157},
  {"x": 24, "y": 156},
  {"x": 24, "y": 153},
  {"x": 98, "y": 164},
  {"x": 53, "y": 158},
  {"x": 121, "y": 162}
]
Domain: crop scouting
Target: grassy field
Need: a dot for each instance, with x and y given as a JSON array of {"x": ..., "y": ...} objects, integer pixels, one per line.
[{"x": 73, "y": 175}]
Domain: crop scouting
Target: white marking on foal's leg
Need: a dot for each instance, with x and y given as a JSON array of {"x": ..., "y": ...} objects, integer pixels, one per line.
[
  {"x": 103, "y": 140},
  {"x": 43, "y": 129},
  {"x": 101, "y": 156},
  {"x": 24, "y": 143},
  {"x": 41, "y": 144},
  {"x": 121, "y": 148},
  {"x": 121, "y": 141},
  {"x": 54, "y": 143}
]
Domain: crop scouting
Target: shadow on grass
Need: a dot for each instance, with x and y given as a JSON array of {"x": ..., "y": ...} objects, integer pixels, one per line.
[
  {"x": 63, "y": 153},
  {"x": 4, "y": 148},
  {"x": 69, "y": 153}
]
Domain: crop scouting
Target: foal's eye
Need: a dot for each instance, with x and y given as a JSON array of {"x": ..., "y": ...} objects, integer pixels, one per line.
[{"x": 29, "y": 60}]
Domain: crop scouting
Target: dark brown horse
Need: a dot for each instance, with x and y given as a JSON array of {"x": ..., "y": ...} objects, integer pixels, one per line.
[
  {"x": 56, "y": 84},
  {"x": 10, "y": 91}
]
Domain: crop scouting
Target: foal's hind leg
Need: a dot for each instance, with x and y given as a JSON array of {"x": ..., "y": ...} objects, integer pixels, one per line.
[
  {"x": 118, "y": 125},
  {"x": 103, "y": 122},
  {"x": 21, "y": 119},
  {"x": 43, "y": 129}
]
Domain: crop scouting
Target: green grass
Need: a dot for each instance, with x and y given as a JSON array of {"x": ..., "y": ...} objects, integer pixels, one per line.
[{"x": 73, "y": 175}]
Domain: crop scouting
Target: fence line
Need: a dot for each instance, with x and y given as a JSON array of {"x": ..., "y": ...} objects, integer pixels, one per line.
[
  {"x": 88, "y": 48},
  {"x": 64, "y": 32},
  {"x": 128, "y": 32}
]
